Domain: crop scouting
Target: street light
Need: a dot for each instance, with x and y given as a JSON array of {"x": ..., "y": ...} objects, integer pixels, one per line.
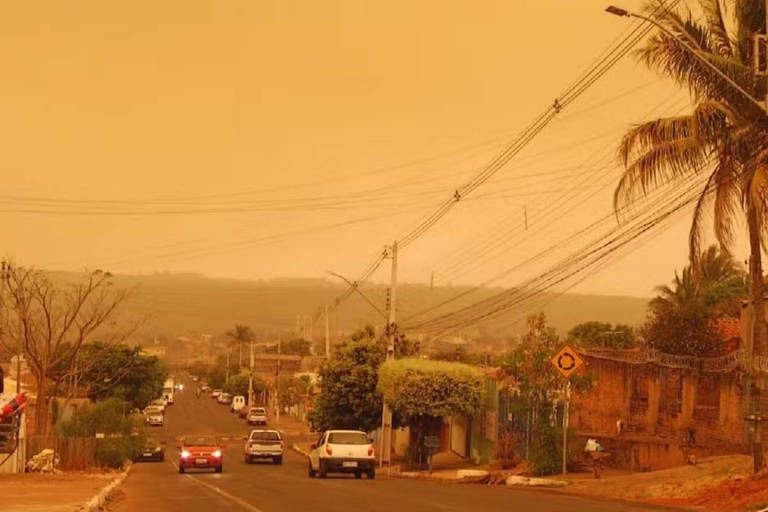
[{"x": 618, "y": 11}]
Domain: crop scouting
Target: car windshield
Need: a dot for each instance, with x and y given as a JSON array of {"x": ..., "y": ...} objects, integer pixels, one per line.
[
  {"x": 265, "y": 435},
  {"x": 200, "y": 441},
  {"x": 348, "y": 438},
  {"x": 153, "y": 410},
  {"x": 257, "y": 410},
  {"x": 152, "y": 443}
]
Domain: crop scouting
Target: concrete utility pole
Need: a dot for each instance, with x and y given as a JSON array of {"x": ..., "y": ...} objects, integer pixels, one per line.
[
  {"x": 386, "y": 414},
  {"x": 277, "y": 383},
  {"x": 250, "y": 379},
  {"x": 327, "y": 334},
  {"x": 229, "y": 349}
]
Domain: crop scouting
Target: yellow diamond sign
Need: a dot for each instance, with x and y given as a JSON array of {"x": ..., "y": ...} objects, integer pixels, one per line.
[{"x": 567, "y": 361}]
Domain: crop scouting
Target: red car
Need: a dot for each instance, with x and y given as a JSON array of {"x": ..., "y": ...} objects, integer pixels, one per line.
[{"x": 200, "y": 452}]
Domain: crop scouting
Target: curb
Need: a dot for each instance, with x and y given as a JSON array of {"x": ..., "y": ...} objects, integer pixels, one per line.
[
  {"x": 100, "y": 498},
  {"x": 298, "y": 450}
]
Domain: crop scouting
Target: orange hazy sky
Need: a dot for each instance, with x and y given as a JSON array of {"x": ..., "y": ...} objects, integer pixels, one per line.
[{"x": 250, "y": 111}]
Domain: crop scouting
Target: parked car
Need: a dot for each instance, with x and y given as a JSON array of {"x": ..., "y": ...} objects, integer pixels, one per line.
[
  {"x": 342, "y": 451},
  {"x": 238, "y": 402},
  {"x": 205, "y": 387},
  {"x": 160, "y": 403},
  {"x": 154, "y": 416},
  {"x": 153, "y": 449},
  {"x": 215, "y": 393},
  {"x": 200, "y": 452},
  {"x": 225, "y": 398},
  {"x": 257, "y": 416},
  {"x": 264, "y": 444},
  {"x": 195, "y": 378}
]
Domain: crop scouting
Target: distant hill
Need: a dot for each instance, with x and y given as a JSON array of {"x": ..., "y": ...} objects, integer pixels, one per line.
[{"x": 171, "y": 305}]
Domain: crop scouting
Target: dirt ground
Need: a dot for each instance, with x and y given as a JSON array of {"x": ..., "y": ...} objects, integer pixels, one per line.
[
  {"x": 32, "y": 492},
  {"x": 699, "y": 485}
]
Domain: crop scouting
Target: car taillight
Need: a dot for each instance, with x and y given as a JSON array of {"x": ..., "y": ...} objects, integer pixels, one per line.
[
  {"x": 282, "y": 444},
  {"x": 370, "y": 451},
  {"x": 184, "y": 454},
  {"x": 217, "y": 453},
  {"x": 328, "y": 449}
]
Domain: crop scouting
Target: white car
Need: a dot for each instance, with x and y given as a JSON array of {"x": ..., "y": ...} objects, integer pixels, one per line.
[
  {"x": 256, "y": 416},
  {"x": 154, "y": 416},
  {"x": 264, "y": 444},
  {"x": 159, "y": 402},
  {"x": 224, "y": 398},
  {"x": 342, "y": 451},
  {"x": 215, "y": 393}
]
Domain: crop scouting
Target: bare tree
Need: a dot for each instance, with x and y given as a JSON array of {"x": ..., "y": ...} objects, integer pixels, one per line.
[{"x": 49, "y": 323}]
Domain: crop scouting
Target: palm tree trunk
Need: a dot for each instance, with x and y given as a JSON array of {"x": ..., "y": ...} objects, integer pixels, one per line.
[
  {"x": 240, "y": 356},
  {"x": 760, "y": 330}
]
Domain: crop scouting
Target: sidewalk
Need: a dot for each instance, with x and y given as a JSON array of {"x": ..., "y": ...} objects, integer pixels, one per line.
[{"x": 65, "y": 492}]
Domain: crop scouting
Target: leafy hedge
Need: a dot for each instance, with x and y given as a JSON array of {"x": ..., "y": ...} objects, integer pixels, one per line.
[{"x": 420, "y": 387}]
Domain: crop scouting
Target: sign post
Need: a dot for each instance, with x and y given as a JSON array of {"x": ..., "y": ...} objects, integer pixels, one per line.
[
  {"x": 431, "y": 443},
  {"x": 566, "y": 361}
]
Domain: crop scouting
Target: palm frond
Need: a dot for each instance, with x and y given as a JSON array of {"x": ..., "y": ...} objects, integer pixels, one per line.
[{"x": 720, "y": 40}]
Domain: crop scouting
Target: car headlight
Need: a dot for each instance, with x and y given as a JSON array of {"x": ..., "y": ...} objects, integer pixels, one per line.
[
  {"x": 184, "y": 454},
  {"x": 158, "y": 449},
  {"x": 217, "y": 453}
]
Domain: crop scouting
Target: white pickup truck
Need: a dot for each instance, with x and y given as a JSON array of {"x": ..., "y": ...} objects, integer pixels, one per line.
[
  {"x": 264, "y": 444},
  {"x": 342, "y": 451}
]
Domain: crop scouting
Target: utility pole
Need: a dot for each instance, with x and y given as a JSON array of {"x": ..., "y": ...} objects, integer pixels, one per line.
[
  {"x": 327, "y": 334},
  {"x": 229, "y": 349},
  {"x": 250, "y": 379},
  {"x": 386, "y": 414},
  {"x": 277, "y": 384}
]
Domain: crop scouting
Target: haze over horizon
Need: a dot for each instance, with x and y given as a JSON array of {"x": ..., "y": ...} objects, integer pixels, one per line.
[{"x": 261, "y": 141}]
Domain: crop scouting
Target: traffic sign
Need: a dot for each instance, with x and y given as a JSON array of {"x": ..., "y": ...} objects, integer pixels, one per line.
[{"x": 567, "y": 361}]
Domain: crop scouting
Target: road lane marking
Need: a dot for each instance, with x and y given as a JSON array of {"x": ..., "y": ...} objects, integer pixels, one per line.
[{"x": 218, "y": 490}]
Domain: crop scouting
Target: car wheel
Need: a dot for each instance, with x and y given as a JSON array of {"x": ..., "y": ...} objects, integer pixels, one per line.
[
  {"x": 162, "y": 458},
  {"x": 312, "y": 472},
  {"x": 278, "y": 460},
  {"x": 371, "y": 473},
  {"x": 181, "y": 469},
  {"x": 218, "y": 469},
  {"x": 358, "y": 475},
  {"x": 247, "y": 459},
  {"x": 323, "y": 469}
]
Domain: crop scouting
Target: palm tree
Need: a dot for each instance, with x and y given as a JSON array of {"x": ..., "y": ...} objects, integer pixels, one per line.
[
  {"x": 240, "y": 334},
  {"x": 724, "y": 138},
  {"x": 713, "y": 282}
]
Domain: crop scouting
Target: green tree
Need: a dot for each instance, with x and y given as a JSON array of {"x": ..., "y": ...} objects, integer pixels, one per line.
[
  {"x": 682, "y": 317},
  {"x": 724, "y": 138},
  {"x": 238, "y": 385},
  {"x": 348, "y": 397},
  {"x": 294, "y": 390},
  {"x": 120, "y": 371},
  {"x": 601, "y": 334}
]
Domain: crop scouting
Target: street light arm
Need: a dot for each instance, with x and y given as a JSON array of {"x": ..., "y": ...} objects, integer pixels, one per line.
[
  {"x": 355, "y": 288},
  {"x": 618, "y": 11}
]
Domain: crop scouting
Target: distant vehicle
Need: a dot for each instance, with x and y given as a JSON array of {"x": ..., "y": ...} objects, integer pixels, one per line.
[
  {"x": 205, "y": 387},
  {"x": 342, "y": 451},
  {"x": 238, "y": 402},
  {"x": 154, "y": 416},
  {"x": 243, "y": 412},
  {"x": 153, "y": 449},
  {"x": 195, "y": 378},
  {"x": 168, "y": 390},
  {"x": 225, "y": 398},
  {"x": 257, "y": 416},
  {"x": 264, "y": 444},
  {"x": 215, "y": 393},
  {"x": 159, "y": 403},
  {"x": 200, "y": 452}
]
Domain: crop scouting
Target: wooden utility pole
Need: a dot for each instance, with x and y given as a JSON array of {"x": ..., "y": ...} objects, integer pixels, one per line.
[
  {"x": 250, "y": 379},
  {"x": 277, "y": 383},
  {"x": 386, "y": 414}
]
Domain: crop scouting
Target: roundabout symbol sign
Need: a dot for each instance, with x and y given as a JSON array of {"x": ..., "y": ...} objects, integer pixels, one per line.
[{"x": 567, "y": 361}]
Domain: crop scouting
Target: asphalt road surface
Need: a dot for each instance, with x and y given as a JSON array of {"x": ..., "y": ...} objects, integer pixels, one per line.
[{"x": 264, "y": 487}]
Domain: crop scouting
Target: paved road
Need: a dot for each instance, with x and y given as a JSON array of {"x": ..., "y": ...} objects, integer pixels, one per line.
[{"x": 267, "y": 488}]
